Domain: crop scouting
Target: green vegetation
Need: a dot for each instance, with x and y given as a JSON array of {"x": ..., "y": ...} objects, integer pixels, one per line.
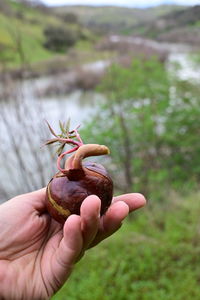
[
  {"x": 58, "y": 39},
  {"x": 155, "y": 255},
  {"x": 153, "y": 134},
  {"x": 24, "y": 34}
]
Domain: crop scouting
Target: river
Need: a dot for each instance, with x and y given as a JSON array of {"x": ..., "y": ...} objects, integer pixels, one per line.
[{"x": 24, "y": 165}]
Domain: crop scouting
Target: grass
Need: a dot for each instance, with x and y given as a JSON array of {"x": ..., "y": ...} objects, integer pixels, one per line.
[
  {"x": 155, "y": 255},
  {"x": 28, "y": 28},
  {"x": 31, "y": 36}
]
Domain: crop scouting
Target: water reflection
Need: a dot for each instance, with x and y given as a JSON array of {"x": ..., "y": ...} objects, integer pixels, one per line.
[{"x": 77, "y": 106}]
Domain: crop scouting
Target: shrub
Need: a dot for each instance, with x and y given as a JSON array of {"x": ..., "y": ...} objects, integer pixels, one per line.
[
  {"x": 70, "y": 18},
  {"x": 58, "y": 39}
]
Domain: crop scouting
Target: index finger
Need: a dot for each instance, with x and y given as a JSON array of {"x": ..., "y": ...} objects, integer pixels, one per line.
[{"x": 133, "y": 200}]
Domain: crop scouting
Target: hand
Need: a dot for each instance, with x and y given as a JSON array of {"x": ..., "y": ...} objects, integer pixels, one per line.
[{"x": 37, "y": 254}]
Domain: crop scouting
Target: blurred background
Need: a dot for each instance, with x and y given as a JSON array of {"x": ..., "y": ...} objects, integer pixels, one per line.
[{"x": 129, "y": 73}]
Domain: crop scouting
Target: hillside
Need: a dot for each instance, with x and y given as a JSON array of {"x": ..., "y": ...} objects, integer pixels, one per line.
[
  {"x": 182, "y": 25},
  {"x": 114, "y": 19},
  {"x": 30, "y": 34},
  {"x": 22, "y": 33},
  {"x": 21, "y": 30}
]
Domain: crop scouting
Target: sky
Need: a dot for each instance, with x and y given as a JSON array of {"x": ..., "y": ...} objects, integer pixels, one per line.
[{"x": 129, "y": 3}]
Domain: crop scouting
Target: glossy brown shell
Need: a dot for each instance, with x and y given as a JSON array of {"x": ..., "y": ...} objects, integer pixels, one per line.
[{"x": 65, "y": 193}]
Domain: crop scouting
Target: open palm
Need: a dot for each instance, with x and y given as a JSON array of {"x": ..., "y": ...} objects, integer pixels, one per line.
[{"x": 37, "y": 254}]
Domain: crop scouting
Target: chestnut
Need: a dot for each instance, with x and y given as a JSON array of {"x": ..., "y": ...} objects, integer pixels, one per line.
[{"x": 70, "y": 186}]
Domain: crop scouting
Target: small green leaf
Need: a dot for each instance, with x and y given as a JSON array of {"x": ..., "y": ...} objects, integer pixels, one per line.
[
  {"x": 60, "y": 149},
  {"x": 62, "y": 127},
  {"x": 50, "y": 141},
  {"x": 67, "y": 128},
  {"x": 52, "y": 131}
]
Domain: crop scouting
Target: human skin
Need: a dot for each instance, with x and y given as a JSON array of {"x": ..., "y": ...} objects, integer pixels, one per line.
[{"x": 37, "y": 254}]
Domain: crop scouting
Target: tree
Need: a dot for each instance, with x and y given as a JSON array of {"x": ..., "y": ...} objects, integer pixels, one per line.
[
  {"x": 130, "y": 121},
  {"x": 151, "y": 125},
  {"x": 58, "y": 39}
]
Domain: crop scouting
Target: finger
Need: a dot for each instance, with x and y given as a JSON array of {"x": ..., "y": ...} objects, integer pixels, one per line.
[
  {"x": 133, "y": 200},
  {"x": 69, "y": 248},
  {"x": 90, "y": 217},
  {"x": 111, "y": 221}
]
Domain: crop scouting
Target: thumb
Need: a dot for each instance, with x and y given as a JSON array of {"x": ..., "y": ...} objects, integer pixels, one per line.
[{"x": 69, "y": 249}]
